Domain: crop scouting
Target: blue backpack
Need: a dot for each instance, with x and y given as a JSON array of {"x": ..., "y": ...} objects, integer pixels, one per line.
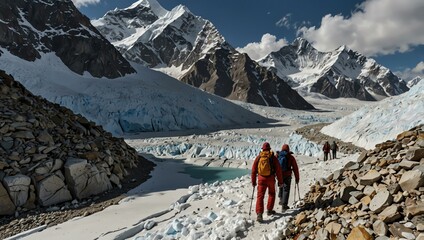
[{"x": 283, "y": 160}]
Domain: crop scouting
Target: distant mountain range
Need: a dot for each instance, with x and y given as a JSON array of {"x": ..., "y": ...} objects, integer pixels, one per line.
[
  {"x": 339, "y": 73},
  {"x": 191, "y": 49}
]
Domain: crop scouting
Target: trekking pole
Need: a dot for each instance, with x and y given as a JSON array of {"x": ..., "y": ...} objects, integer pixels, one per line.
[
  {"x": 298, "y": 191},
  {"x": 251, "y": 200}
]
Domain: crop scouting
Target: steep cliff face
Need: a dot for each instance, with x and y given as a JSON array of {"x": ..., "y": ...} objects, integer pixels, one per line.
[
  {"x": 340, "y": 73},
  {"x": 31, "y": 28},
  {"x": 235, "y": 76}
]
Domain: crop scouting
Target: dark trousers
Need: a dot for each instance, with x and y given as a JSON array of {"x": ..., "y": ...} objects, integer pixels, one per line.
[
  {"x": 284, "y": 192},
  {"x": 334, "y": 154},
  {"x": 326, "y": 156}
]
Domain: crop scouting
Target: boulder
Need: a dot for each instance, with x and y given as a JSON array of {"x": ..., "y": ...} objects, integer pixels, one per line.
[
  {"x": 371, "y": 177},
  {"x": 84, "y": 179},
  {"x": 389, "y": 214},
  {"x": 412, "y": 180},
  {"x": 415, "y": 154},
  {"x": 6, "y": 205},
  {"x": 400, "y": 231},
  {"x": 380, "y": 200},
  {"x": 415, "y": 210},
  {"x": 359, "y": 233},
  {"x": 380, "y": 228},
  {"x": 18, "y": 187},
  {"x": 52, "y": 190},
  {"x": 333, "y": 228}
]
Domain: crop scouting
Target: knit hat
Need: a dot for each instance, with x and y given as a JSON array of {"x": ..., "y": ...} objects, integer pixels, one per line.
[
  {"x": 266, "y": 146},
  {"x": 285, "y": 148}
]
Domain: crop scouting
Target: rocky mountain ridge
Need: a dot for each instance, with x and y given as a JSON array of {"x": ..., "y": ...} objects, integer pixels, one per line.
[
  {"x": 381, "y": 196},
  {"x": 191, "y": 49},
  {"x": 32, "y": 28},
  {"x": 48, "y": 155},
  {"x": 339, "y": 73}
]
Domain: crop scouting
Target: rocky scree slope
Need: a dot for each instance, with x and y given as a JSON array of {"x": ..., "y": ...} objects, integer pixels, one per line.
[
  {"x": 381, "y": 196},
  {"x": 31, "y": 28},
  {"x": 48, "y": 155}
]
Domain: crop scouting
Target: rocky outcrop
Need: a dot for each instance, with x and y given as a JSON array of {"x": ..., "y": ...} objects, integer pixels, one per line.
[
  {"x": 381, "y": 197},
  {"x": 31, "y": 28},
  {"x": 48, "y": 155},
  {"x": 235, "y": 76}
]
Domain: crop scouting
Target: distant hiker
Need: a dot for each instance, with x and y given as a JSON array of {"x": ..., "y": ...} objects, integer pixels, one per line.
[
  {"x": 326, "y": 149},
  {"x": 266, "y": 167},
  {"x": 288, "y": 165},
  {"x": 334, "y": 149}
]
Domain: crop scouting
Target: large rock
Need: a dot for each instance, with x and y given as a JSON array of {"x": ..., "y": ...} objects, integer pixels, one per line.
[
  {"x": 380, "y": 228},
  {"x": 6, "y": 205},
  {"x": 415, "y": 154},
  {"x": 18, "y": 187},
  {"x": 400, "y": 231},
  {"x": 84, "y": 179},
  {"x": 380, "y": 200},
  {"x": 412, "y": 180},
  {"x": 371, "y": 177},
  {"x": 359, "y": 233},
  {"x": 415, "y": 210},
  {"x": 52, "y": 190},
  {"x": 389, "y": 214}
]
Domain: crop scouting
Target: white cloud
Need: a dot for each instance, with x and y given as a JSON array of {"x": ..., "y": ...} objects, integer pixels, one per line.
[
  {"x": 378, "y": 27},
  {"x": 409, "y": 74},
  {"x": 284, "y": 21},
  {"x": 268, "y": 44},
  {"x": 83, "y": 3}
]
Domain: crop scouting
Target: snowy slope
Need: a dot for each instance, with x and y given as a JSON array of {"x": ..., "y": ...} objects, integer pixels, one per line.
[
  {"x": 383, "y": 121},
  {"x": 146, "y": 101}
]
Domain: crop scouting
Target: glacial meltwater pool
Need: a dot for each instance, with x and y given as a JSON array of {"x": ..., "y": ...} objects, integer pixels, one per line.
[{"x": 213, "y": 174}]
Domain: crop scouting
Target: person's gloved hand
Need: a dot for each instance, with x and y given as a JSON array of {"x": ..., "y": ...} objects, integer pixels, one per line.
[
  {"x": 253, "y": 184},
  {"x": 297, "y": 181}
]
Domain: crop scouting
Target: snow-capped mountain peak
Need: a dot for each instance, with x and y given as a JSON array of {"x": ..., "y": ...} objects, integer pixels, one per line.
[
  {"x": 153, "y": 5},
  {"x": 339, "y": 73},
  {"x": 190, "y": 48}
]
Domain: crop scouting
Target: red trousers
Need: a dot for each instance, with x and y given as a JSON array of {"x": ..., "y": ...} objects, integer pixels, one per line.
[{"x": 263, "y": 184}]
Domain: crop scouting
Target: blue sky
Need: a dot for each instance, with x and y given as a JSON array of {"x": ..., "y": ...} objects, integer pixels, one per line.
[{"x": 390, "y": 31}]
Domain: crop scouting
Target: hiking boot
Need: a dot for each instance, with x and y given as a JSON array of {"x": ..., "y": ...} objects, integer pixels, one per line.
[
  {"x": 270, "y": 212},
  {"x": 259, "y": 218},
  {"x": 285, "y": 207}
]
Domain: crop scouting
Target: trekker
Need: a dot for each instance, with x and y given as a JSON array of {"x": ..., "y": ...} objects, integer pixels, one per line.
[
  {"x": 334, "y": 149},
  {"x": 266, "y": 166},
  {"x": 326, "y": 149},
  {"x": 288, "y": 165}
]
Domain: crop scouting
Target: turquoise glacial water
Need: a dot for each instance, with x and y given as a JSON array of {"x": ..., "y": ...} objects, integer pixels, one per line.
[{"x": 213, "y": 174}]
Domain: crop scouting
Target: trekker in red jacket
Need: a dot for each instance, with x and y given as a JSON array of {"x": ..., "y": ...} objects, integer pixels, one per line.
[
  {"x": 266, "y": 166},
  {"x": 326, "y": 148},
  {"x": 288, "y": 165}
]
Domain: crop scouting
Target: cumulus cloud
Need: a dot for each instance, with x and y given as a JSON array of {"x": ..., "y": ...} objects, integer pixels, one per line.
[
  {"x": 83, "y": 3},
  {"x": 377, "y": 27},
  {"x": 284, "y": 21},
  {"x": 409, "y": 74},
  {"x": 268, "y": 44}
]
